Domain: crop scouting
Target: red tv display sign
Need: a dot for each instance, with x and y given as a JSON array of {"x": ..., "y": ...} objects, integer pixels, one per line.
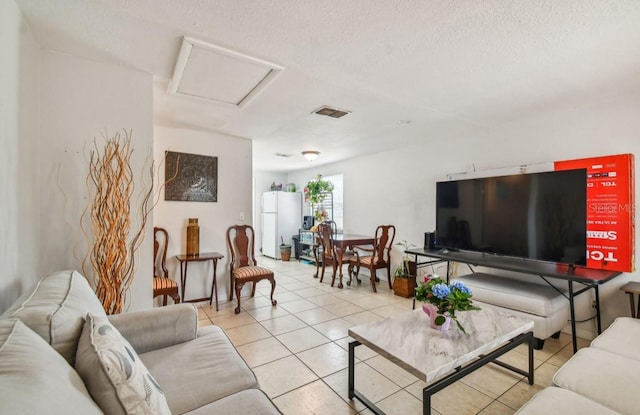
[{"x": 610, "y": 210}]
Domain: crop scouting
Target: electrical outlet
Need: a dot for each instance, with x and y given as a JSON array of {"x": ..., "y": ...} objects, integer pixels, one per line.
[
  {"x": 593, "y": 304},
  {"x": 241, "y": 215}
]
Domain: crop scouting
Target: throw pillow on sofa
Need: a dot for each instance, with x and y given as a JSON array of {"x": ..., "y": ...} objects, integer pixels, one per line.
[
  {"x": 35, "y": 379},
  {"x": 55, "y": 308},
  {"x": 114, "y": 374}
]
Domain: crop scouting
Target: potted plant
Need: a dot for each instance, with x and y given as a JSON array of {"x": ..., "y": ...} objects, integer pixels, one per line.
[
  {"x": 404, "y": 275},
  {"x": 285, "y": 250},
  {"x": 316, "y": 190},
  {"x": 442, "y": 300}
]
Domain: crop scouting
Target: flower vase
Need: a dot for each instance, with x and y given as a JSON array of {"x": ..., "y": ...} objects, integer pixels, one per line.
[
  {"x": 444, "y": 326},
  {"x": 432, "y": 311}
]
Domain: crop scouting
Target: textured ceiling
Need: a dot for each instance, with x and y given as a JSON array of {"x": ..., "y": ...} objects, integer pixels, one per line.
[{"x": 451, "y": 67}]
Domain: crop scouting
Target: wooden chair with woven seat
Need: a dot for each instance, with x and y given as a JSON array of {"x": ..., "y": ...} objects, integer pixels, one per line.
[
  {"x": 244, "y": 267},
  {"x": 318, "y": 248},
  {"x": 162, "y": 285},
  {"x": 380, "y": 255}
]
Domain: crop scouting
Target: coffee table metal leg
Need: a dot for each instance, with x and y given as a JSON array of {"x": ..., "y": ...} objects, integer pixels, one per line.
[
  {"x": 352, "y": 366},
  {"x": 426, "y": 402},
  {"x": 353, "y": 393},
  {"x": 458, "y": 374},
  {"x": 461, "y": 372}
]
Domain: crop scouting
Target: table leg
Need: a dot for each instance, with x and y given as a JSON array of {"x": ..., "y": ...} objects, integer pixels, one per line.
[
  {"x": 598, "y": 318},
  {"x": 183, "y": 277},
  {"x": 491, "y": 357},
  {"x": 317, "y": 261},
  {"x": 214, "y": 286},
  {"x": 531, "y": 342},
  {"x": 352, "y": 367},
  {"x": 426, "y": 402},
  {"x": 574, "y": 336},
  {"x": 632, "y": 304},
  {"x": 339, "y": 255}
]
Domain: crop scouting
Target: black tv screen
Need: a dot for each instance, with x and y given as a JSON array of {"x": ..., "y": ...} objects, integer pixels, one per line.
[{"x": 539, "y": 216}]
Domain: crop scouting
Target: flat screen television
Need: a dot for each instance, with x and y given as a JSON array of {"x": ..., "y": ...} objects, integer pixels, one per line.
[{"x": 539, "y": 216}]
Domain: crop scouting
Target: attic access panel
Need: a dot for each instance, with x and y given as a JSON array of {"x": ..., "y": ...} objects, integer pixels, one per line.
[{"x": 221, "y": 75}]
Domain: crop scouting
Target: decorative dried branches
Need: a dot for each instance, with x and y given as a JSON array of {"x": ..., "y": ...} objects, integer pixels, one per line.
[{"x": 111, "y": 187}]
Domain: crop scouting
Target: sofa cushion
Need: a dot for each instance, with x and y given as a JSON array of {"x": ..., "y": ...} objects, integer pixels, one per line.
[
  {"x": 55, "y": 308},
  {"x": 622, "y": 338},
  {"x": 114, "y": 374},
  {"x": 35, "y": 379},
  {"x": 541, "y": 300},
  {"x": 159, "y": 327},
  {"x": 604, "y": 377},
  {"x": 210, "y": 369},
  {"x": 554, "y": 400},
  {"x": 249, "y": 401}
]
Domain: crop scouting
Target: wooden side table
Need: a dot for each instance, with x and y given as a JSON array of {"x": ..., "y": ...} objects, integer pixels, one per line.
[
  {"x": 202, "y": 257},
  {"x": 632, "y": 288}
]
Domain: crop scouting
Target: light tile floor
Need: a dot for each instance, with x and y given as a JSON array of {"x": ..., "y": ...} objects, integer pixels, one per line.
[{"x": 298, "y": 351}]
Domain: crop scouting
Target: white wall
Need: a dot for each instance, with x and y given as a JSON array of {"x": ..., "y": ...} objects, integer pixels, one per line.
[
  {"x": 19, "y": 54},
  {"x": 234, "y": 196},
  {"x": 81, "y": 99},
  {"x": 405, "y": 178}
]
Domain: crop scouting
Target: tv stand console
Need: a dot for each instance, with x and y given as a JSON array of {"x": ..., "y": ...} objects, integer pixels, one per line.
[{"x": 588, "y": 278}]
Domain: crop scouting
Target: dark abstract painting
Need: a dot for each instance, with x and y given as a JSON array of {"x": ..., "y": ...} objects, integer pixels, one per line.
[{"x": 190, "y": 177}]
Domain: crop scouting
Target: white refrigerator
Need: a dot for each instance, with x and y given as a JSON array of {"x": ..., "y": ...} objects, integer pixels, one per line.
[{"x": 281, "y": 217}]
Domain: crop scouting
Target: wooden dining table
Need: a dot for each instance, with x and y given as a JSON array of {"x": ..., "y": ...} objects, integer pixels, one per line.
[{"x": 345, "y": 241}]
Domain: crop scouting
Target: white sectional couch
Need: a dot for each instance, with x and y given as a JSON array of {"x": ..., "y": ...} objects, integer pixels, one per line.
[
  {"x": 60, "y": 354},
  {"x": 598, "y": 380}
]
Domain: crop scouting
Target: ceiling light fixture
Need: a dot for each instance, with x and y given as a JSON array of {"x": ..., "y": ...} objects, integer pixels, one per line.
[{"x": 310, "y": 155}]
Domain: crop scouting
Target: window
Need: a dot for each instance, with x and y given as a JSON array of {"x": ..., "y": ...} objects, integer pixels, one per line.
[{"x": 338, "y": 192}]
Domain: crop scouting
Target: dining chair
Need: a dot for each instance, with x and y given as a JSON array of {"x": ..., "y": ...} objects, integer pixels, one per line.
[
  {"x": 317, "y": 246},
  {"x": 162, "y": 284},
  {"x": 243, "y": 267},
  {"x": 379, "y": 255},
  {"x": 327, "y": 254}
]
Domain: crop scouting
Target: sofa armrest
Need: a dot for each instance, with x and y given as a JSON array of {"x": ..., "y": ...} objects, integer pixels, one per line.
[{"x": 158, "y": 328}]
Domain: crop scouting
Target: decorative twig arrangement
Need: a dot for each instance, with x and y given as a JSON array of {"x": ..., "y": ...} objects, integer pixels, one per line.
[{"x": 110, "y": 183}]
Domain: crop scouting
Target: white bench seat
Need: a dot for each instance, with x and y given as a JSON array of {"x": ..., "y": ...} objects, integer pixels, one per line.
[{"x": 546, "y": 306}]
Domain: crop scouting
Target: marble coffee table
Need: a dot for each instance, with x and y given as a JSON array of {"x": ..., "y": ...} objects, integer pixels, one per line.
[{"x": 441, "y": 357}]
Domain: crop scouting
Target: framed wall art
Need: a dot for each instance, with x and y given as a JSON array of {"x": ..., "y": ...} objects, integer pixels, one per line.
[{"x": 190, "y": 177}]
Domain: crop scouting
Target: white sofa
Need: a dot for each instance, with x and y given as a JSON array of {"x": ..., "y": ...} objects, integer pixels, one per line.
[
  {"x": 60, "y": 354},
  {"x": 598, "y": 380}
]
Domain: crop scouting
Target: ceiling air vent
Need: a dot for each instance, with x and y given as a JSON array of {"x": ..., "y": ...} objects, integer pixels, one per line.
[
  {"x": 331, "y": 112},
  {"x": 285, "y": 155}
]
